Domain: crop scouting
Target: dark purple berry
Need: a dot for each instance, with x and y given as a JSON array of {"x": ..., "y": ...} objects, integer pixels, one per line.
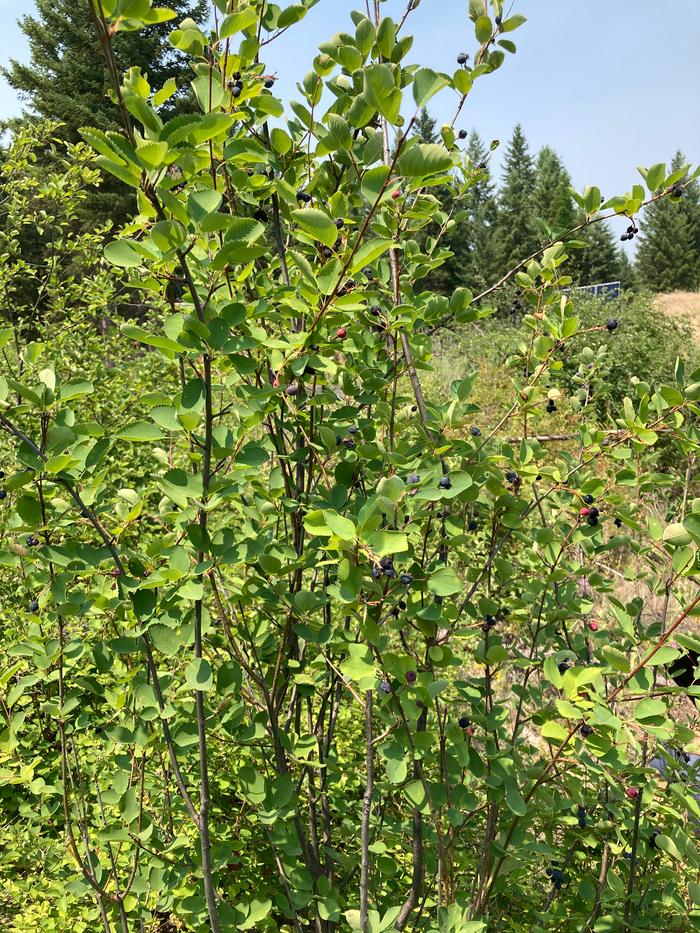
[
  {"x": 406, "y": 579},
  {"x": 445, "y": 482}
]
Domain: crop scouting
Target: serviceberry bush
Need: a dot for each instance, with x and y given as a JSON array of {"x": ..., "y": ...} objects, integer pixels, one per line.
[{"x": 345, "y": 657}]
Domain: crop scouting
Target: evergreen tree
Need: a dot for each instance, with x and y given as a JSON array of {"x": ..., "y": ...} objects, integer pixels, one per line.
[
  {"x": 482, "y": 218},
  {"x": 668, "y": 256},
  {"x": 517, "y": 229},
  {"x": 66, "y": 79},
  {"x": 552, "y": 199},
  {"x": 426, "y": 127},
  {"x": 628, "y": 273},
  {"x": 601, "y": 260}
]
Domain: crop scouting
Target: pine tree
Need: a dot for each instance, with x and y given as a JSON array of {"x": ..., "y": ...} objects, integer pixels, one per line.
[
  {"x": 66, "y": 79},
  {"x": 668, "y": 256},
  {"x": 482, "y": 217},
  {"x": 517, "y": 229},
  {"x": 552, "y": 199},
  {"x": 426, "y": 127},
  {"x": 601, "y": 260}
]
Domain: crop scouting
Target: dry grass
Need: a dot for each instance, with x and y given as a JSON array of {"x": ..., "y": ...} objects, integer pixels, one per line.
[{"x": 682, "y": 305}]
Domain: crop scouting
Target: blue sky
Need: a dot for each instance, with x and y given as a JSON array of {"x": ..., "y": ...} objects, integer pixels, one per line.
[{"x": 609, "y": 84}]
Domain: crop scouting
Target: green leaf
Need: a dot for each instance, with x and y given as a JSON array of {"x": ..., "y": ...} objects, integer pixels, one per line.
[
  {"x": 655, "y": 176},
  {"x": 396, "y": 770},
  {"x": 198, "y": 675},
  {"x": 483, "y": 29},
  {"x": 151, "y": 340},
  {"x": 650, "y": 708},
  {"x": 121, "y": 253},
  {"x": 381, "y": 92},
  {"x": 388, "y": 542},
  {"x": 508, "y": 25},
  {"x": 140, "y": 431},
  {"x": 514, "y": 798},
  {"x": 368, "y": 253},
  {"x": 152, "y": 154},
  {"x": 444, "y": 582},
  {"x": 424, "y": 159},
  {"x": 359, "y": 666},
  {"x": 316, "y": 224},
  {"x": 237, "y": 22},
  {"x": 340, "y": 526},
  {"x": 426, "y": 84}
]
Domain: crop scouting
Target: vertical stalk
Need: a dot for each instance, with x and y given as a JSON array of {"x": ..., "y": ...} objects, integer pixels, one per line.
[
  {"x": 204, "y": 795},
  {"x": 366, "y": 813}
]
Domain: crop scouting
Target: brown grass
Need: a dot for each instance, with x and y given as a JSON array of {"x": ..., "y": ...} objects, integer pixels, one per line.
[{"x": 683, "y": 305}]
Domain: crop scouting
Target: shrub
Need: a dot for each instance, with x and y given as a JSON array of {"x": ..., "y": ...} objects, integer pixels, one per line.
[{"x": 284, "y": 682}]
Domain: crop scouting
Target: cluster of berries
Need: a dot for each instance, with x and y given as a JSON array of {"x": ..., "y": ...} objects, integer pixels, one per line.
[
  {"x": 631, "y": 231},
  {"x": 589, "y": 511},
  {"x": 557, "y": 875},
  {"x": 386, "y": 568},
  {"x": 581, "y": 814}
]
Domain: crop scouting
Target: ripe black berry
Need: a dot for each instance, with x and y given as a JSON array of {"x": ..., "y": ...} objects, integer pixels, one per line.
[
  {"x": 445, "y": 482},
  {"x": 32, "y": 541},
  {"x": 473, "y": 525},
  {"x": 462, "y": 58},
  {"x": 260, "y": 215},
  {"x": 464, "y": 722},
  {"x": 462, "y": 134},
  {"x": 411, "y": 677},
  {"x": 339, "y": 223},
  {"x": 3, "y": 494},
  {"x": 612, "y": 324},
  {"x": 618, "y": 523},
  {"x": 34, "y": 605},
  {"x": 551, "y": 407},
  {"x": 270, "y": 83},
  {"x": 353, "y": 429},
  {"x": 303, "y": 196},
  {"x": 474, "y": 431},
  {"x": 563, "y": 666},
  {"x": 589, "y": 500},
  {"x": 499, "y": 20},
  {"x": 412, "y": 479},
  {"x": 236, "y": 90},
  {"x": 586, "y": 729},
  {"x": 512, "y": 476},
  {"x": 592, "y": 520},
  {"x": 376, "y": 572},
  {"x": 406, "y": 579}
]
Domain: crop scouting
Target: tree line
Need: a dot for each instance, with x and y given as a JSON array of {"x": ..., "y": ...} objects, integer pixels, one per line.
[
  {"x": 65, "y": 80},
  {"x": 534, "y": 204}
]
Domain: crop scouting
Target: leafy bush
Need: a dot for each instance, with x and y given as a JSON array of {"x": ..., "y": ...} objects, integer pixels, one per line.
[{"x": 343, "y": 656}]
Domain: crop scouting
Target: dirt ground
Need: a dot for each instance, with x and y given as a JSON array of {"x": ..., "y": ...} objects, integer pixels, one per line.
[{"x": 685, "y": 305}]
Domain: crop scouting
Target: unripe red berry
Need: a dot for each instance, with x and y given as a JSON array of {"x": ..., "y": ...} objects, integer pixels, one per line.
[
  {"x": 341, "y": 333},
  {"x": 469, "y": 731},
  {"x": 584, "y": 511},
  {"x": 396, "y": 194},
  {"x": 593, "y": 626},
  {"x": 632, "y": 793}
]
